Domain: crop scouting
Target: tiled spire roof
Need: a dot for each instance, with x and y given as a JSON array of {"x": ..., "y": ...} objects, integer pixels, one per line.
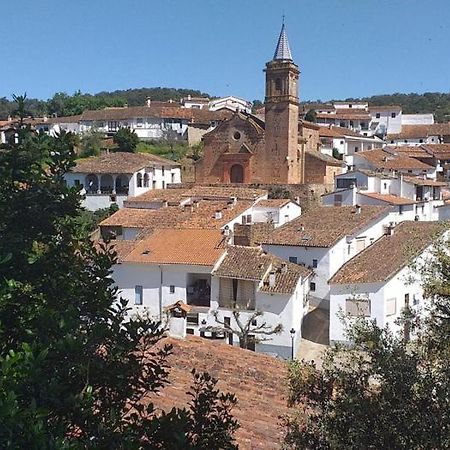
[{"x": 283, "y": 51}]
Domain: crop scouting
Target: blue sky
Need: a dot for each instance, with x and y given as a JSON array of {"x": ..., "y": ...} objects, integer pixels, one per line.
[{"x": 345, "y": 48}]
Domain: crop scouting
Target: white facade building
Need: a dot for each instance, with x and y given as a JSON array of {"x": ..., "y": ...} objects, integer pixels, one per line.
[
  {"x": 197, "y": 268},
  {"x": 325, "y": 238},
  {"x": 382, "y": 280},
  {"x": 112, "y": 177},
  {"x": 231, "y": 103}
]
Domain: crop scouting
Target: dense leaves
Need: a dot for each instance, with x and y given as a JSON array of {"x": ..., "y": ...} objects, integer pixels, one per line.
[
  {"x": 126, "y": 140},
  {"x": 75, "y": 370},
  {"x": 385, "y": 391}
]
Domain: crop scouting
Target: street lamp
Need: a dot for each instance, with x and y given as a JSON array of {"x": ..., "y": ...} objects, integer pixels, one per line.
[{"x": 292, "y": 332}]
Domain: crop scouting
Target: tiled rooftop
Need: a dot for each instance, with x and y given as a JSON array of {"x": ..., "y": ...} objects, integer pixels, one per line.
[
  {"x": 388, "y": 198},
  {"x": 258, "y": 381},
  {"x": 225, "y": 192},
  {"x": 389, "y": 254},
  {"x": 384, "y": 160},
  {"x": 201, "y": 214},
  {"x": 323, "y": 226},
  {"x": 179, "y": 246},
  {"x": 120, "y": 162},
  {"x": 273, "y": 202},
  {"x": 421, "y": 131}
]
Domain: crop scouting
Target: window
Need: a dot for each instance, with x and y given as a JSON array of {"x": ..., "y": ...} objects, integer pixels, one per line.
[
  {"x": 350, "y": 105},
  {"x": 400, "y": 209},
  {"x": 139, "y": 122},
  {"x": 377, "y": 115},
  {"x": 345, "y": 183},
  {"x": 139, "y": 180},
  {"x": 172, "y": 289},
  {"x": 356, "y": 149},
  {"x": 236, "y": 135},
  {"x": 405, "y": 141},
  {"x": 337, "y": 200},
  {"x": 77, "y": 182},
  {"x": 357, "y": 307},
  {"x": 342, "y": 142},
  {"x": 249, "y": 218},
  {"x": 406, "y": 300},
  {"x": 138, "y": 295},
  {"x": 312, "y": 286},
  {"x": 314, "y": 263},
  {"x": 146, "y": 180},
  {"x": 172, "y": 178},
  {"x": 391, "y": 306},
  {"x": 278, "y": 84},
  {"x": 393, "y": 115},
  {"x": 162, "y": 170},
  {"x": 421, "y": 141},
  {"x": 293, "y": 259}
]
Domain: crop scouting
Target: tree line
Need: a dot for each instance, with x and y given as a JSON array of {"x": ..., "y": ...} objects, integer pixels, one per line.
[{"x": 63, "y": 104}]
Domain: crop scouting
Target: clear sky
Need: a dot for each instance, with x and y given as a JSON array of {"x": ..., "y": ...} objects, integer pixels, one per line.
[{"x": 345, "y": 48}]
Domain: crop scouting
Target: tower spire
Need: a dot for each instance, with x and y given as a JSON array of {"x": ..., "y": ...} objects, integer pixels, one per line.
[{"x": 282, "y": 51}]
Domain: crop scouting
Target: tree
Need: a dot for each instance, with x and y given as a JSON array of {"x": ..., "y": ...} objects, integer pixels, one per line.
[
  {"x": 74, "y": 373},
  {"x": 385, "y": 391},
  {"x": 91, "y": 143},
  {"x": 311, "y": 116},
  {"x": 247, "y": 328},
  {"x": 126, "y": 139},
  {"x": 21, "y": 108}
]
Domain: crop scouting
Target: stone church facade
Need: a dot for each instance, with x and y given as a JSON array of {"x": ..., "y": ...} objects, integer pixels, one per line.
[{"x": 247, "y": 149}]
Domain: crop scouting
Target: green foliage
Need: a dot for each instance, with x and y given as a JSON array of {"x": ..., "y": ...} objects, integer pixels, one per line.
[
  {"x": 126, "y": 140},
  {"x": 337, "y": 154},
  {"x": 384, "y": 391},
  {"x": 63, "y": 104},
  {"x": 91, "y": 143},
  {"x": 75, "y": 374},
  {"x": 311, "y": 116},
  {"x": 166, "y": 149},
  {"x": 89, "y": 220}
]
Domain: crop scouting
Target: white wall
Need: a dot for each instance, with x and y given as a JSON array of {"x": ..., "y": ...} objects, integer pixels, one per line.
[{"x": 404, "y": 282}]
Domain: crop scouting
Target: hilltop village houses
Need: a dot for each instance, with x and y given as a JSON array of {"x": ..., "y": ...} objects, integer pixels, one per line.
[{"x": 282, "y": 215}]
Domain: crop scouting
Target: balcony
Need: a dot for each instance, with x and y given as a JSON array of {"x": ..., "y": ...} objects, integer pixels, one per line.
[{"x": 198, "y": 290}]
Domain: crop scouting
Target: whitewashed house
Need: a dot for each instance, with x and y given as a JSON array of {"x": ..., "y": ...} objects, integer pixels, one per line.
[
  {"x": 410, "y": 198},
  {"x": 112, "y": 177},
  {"x": 230, "y": 103},
  {"x": 417, "y": 134},
  {"x": 345, "y": 142},
  {"x": 324, "y": 238},
  {"x": 389, "y": 161},
  {"x": 197, "y": 268},
  {"x": 382, "y": 280},
  {"x": 151, "y": 122},
  {"x": 249, "y": 279}
]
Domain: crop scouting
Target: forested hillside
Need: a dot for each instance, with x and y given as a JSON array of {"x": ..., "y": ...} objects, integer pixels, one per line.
[{"x": 63, "y": 104}]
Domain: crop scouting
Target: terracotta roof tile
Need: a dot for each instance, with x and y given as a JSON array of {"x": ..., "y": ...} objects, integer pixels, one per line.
[
  {"x": 389, "y": 254},
  {"x": 179, "y": 246},
  {"x": 273, "y": 202},
  {"x": 388, "y": 198},
  {"x": 252, "y": 263},
  {"x": 413, "y": 151},
  {"x": 329, "y": 160},
  {"x": 339, "y": 132},
  {"x": 156, "y": 195},
  {"x": 424, "y": 181},
  {"x": 202, "y": 214},
  {"x": 439, "y": 151},
  {"x": 258, "y": 381},
  {"x": 421, "y": 131},
  {"x": 120, "y": 162},
  {"x": 385, "y": 160},
  {"x": 347, "y": 115},
  {"x": 323, "y": 226},
  {"x": 192, "y": 115},
  {"x": 225, "y": 192}
]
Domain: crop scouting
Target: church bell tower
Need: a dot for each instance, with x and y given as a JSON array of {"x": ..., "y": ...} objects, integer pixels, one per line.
[{"x": 283, "y": 162}]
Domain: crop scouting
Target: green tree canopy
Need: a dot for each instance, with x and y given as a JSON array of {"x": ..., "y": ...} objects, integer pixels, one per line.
[
  {"x": 75, "y": 370},
  {"x": 385, "y": 391},
  {"x": 126, "y": 140}
]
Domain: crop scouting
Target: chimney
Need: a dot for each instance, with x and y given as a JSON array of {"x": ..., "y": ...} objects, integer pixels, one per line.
[
  {"x": 390, "y": 229},
  {"x": 358, "y": 209},
  {"x": 297, "y": 200},
  {"x": 148, "y": 102},
  {"x": 301, "y": 227},
  {"x": 189, "y": 96},
  {"x": 45, "y": 118},
  {"x": 218, "y": 214},
  {"x": 230, "y": 204},
  {"x": 283, "y": 267},
  {"x": 272, "y": 276},
  {"x": 9, "y": 118}
]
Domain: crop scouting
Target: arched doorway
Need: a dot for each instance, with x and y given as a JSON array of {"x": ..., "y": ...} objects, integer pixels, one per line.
[
  {"x": 91, "y": 183},
  {"x": 121, "y": 184},
  {"x": 236, "y": 173}
]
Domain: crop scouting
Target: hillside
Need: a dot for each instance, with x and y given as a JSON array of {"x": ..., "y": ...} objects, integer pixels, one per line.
[{"x": 63, "y": 104}]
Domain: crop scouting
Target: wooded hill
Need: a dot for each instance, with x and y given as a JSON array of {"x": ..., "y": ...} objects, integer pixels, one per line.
[{"x": 63, "y": 104}]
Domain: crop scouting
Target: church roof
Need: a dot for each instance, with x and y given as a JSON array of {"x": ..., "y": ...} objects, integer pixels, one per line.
[{"x": 283, "y": 52}]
